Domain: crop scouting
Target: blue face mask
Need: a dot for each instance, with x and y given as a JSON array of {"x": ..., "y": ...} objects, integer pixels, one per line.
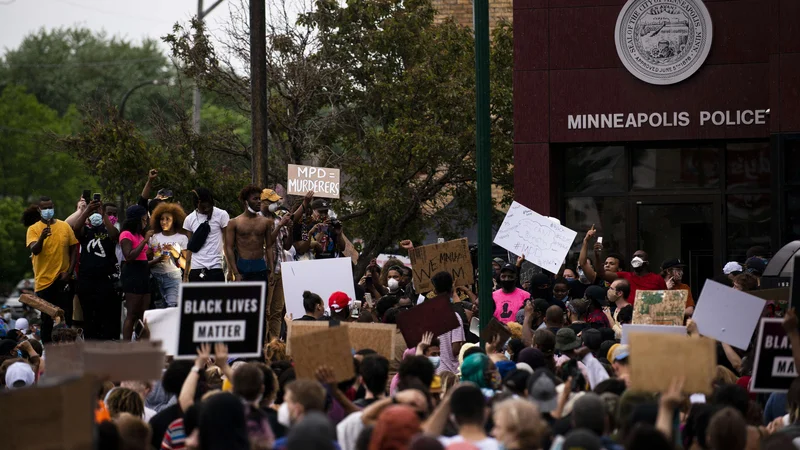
[
  {"x": 96, "y": 220},
  {"x": 435, "y": 361},
  {"x": 48, "y": 214}
]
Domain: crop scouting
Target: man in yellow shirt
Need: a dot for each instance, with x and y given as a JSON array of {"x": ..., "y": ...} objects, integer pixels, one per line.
[{"x": 55, "y": 250}]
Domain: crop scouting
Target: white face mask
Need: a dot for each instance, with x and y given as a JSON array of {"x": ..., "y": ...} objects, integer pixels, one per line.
[
  {"x": 393, "y": 284},
  {"x": 284, "y": 418},
  {"x": 272, "y": 207},
  {"x": 7, "y": 317},
  {"x": 96, "y": 220},
  {"x": 251, "y": 210},
  {"x": 435, "y": 360},
  {"x": 637, "y": 262}
]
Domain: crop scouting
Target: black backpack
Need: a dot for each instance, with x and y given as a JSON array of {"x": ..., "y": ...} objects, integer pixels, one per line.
[{"x": 200, "y": 235}]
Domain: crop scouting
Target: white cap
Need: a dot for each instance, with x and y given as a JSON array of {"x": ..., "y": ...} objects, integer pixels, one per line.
[
  {"x": 22, "y": 325},
  {"x": 19, "y": 371},
  {"x": 732, "y": 266}
]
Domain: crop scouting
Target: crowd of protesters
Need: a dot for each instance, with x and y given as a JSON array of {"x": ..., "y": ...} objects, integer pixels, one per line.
[{"x": 560, "y": 382}]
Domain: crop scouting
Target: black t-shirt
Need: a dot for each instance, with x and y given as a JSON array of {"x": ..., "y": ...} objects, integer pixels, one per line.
[
  {"x": 98, "y": 257},
  {"x": 161, "y": 421},
  {"x": 578, "y": 327},
  {"x": 277, "y": 429}
]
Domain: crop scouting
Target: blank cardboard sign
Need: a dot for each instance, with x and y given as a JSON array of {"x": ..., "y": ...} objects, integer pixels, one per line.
[
  {"x": 727, "y": 315},
  {"x": 296, "y": 328},
  {"x": 376, "y": 336},
  {"x": 117, "y": 361},
  {"x": 434, "y": 315},
  {"x": 327, "y": 347},
  {"x": 656, "y": 358}
]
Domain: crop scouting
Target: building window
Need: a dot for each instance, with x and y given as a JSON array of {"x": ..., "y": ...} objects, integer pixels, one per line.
[
  {"x": 675, "y": 168},
  {"x": 748, "y": 166},
  {"x": 608, "y": 216},
  {"x": 749, "y": 223},
  {"x": 595, "y": 170}
]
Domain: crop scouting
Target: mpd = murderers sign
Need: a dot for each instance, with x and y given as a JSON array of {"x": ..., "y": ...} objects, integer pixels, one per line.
[
  {"x": 323, "y": 181},
  {"x": 773, "y": 367},
  {"x": 232, "y": 313}
]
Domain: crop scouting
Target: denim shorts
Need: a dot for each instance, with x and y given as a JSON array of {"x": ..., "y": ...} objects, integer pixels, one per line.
[{"x": 169, "y": 284}]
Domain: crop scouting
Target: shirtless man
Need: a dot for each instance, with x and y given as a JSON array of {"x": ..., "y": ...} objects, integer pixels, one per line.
[{"x": 250, "y": 235}]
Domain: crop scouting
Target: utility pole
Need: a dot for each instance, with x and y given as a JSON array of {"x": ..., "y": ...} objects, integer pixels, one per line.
[
  {"x": 258, "y": 91},
  {"x": 197, "y": 100},
  {"x": 480, "y": 14}
]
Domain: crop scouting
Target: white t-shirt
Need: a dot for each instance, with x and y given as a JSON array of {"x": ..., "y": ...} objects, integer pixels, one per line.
[
  {"x": 486, "y": 444},
  {"x": 178, "y": 242},
  {"x": 210, "y": 256}
]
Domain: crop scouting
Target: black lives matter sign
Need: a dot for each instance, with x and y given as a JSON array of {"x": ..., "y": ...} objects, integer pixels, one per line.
[
  {"x": 230, "y": 313},
  {"x": 773, "y": 367}
]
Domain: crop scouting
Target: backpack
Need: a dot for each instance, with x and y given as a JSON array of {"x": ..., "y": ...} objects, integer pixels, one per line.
[{"x": 200, "y": 235}]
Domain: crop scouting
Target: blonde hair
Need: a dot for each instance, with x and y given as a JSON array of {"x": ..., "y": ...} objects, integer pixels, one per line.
[
  {"x": 523, "y": 421},
  {"x": 725, "y": 376},
  {"x": 516, "y": 330},
  {"x": 124, "y": 400},
  {"x": 276, "y": 351}
]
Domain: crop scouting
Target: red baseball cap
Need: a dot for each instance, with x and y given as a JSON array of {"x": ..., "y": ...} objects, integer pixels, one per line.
[{"x": 338, "y": 301}]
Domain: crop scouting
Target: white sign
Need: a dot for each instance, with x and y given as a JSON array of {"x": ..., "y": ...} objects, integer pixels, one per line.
[
  {"x": 163, "y": 325},
  {"x": 666, "y": 119},
  {"x": 654, "y": 329},
  {"x": 727, "y": 315},
  {"x": 542, "y": 241},
  {"x": 320, "y": 276},
  {"x": 324, "y": 182},
  {"x": 663, "y": 41}
]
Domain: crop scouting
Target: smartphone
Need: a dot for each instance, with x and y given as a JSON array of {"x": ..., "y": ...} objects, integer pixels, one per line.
[
  {"x": 138, "y": 327},
  {"x": 368, "y": 298},
  {"x": 440, "y": 241},
  {"x": 87, "y": 195},
  {"x": 96, "y": 196},
  {"x": 356, "y": 309},
  {"x": 600, "y": 239}
]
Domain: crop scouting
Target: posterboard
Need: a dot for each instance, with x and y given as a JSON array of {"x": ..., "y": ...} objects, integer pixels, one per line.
[
  {"x": 164, "y": 325},
  {"x": 628, "y": 328},
  {"x": 659, "y": 307},
  {"x": 542, "y": 241},
  {"x": 376, "y": 336},
  {"x": 727, "y": 315},
  {"x": 323, "y": 181},
  {"x": 326, "y": 347},
  {"x": 232, "y": 313},
  {"x": 320, "y": 276},
  {"x": 435, "y": 316},
  {"x": 51, "y": 415},
  {"x": 116, "y": 361},
  {"x": 773, "y": 366},
  {"x": 656, "y": 358},
  {"x": 451, "y": 256}
]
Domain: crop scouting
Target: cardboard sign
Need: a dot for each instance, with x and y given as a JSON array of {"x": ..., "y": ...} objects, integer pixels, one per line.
[
  {"x": 656, "y": 358},
  {"x": 451, "y": 256},
  {"x": 376, "y": 336},
  {"x": 542, "y": 241},
  {"x": 628, "y": 328},
  {"x": 164, "y": 325},
  {"x": 773, "y": 366},
  {"x": 232, "y": 313},
  {"x": 320, "y": 276},
  {"x": 435, "y": 316},
  {"x": 116, "y": 361},
  {"x": 659, "y": 307},
  {"x": 326, "y": 347},
  {"x": 323, "y": 181},
  {"x": 727, "y": 315},
  {"x": 495, "y": 328},
  {"x": 52, "y": 415},
  {"x": 41, "y": 304}
]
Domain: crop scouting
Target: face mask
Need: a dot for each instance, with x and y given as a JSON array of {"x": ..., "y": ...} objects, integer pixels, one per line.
[
  {"x": 284, "y": 418},
  {"x": 508, "y": 285},
  {"x": 508, "y": 355},
  {"x": 113, "y": 220},
  {"x": 48, "y": 214},
  {"x": 7, "y": 317},
  {"x": 637, "y": 262},
  {"x": 251, "y": 210},
  {"x": 435, "y": 361},
  {"x": 272, "y": 207},
  {"x": 393, "y": 284},
  {"x": 96, "y": 220},
  {"x": 569, "y": 278}
]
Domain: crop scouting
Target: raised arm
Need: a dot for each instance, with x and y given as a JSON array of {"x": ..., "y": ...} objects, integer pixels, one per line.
[
  {"x": 583, "y": 260},
  {"x": 297, "y": 216},
  {"x": 73, "y": 219},
  {"x": 151, "y": 175}
]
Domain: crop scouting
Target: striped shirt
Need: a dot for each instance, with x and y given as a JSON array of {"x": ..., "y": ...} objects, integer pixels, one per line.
[
  {"x": 448, "y": 361},
  {"x": 175, "y": 437}
]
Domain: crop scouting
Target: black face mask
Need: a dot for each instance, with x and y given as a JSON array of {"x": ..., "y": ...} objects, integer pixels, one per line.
[{"x": 508, "y": 285}]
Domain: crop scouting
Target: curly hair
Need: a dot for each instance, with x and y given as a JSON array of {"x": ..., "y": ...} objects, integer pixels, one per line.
[
  {"x": 247, "y": 191},
  {"x": 124, "y": 400},
  {"x": 178, "y": 216},
  {"x": 275, "y": 350},
  {"x": 390, "y": 264}
]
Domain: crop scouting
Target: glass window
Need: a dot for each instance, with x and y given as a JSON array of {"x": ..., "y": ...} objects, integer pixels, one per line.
[
  {"x": 791, "y": 149},
  {"x": 749, "y": 223},
  {"x": 748, "y": 165},
  {"x": 608, "y": 216},
  {"x": 595, "y": 169},
  {"x": 674, "y": 168}
]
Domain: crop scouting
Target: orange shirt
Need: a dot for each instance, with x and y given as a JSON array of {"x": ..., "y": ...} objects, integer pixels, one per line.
[{"x": 685, "y": 287}]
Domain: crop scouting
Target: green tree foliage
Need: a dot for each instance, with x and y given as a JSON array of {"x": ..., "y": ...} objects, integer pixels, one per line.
[{"x": 14, "y": 264}]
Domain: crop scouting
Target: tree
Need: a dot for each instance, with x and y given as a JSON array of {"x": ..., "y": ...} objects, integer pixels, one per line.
[{"x": 14, "y": 265}]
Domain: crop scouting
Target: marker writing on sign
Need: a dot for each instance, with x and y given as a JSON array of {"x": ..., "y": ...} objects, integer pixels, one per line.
[{"x": 212, "y": 306}]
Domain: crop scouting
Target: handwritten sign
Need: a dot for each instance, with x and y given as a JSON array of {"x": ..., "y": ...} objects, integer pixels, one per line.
[
  {"x": 324, "y": 182},
  {"x": 659, "y": 307},
  {"x": 451, "y": 256},
  {"x": 542, "y": 241}
]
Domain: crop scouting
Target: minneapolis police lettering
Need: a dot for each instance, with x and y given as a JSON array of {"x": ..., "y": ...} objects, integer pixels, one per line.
[{"x": 218, "y": 312}]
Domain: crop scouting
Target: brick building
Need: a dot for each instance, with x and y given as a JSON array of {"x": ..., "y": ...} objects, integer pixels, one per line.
[{"x": 461, "y": 10}]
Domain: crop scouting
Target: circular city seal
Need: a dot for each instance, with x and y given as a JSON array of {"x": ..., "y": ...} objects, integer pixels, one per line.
[{"x": 663, "y": 41}]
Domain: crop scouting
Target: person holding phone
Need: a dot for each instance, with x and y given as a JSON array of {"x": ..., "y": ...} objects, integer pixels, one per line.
[
  {"x": 169, "y": 248},
  {"x": 135, "y": 269}
]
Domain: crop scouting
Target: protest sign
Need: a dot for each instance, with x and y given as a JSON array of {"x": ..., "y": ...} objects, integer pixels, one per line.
[
  {"x": 320, "y": 276},
  {"x": 435, "y": 315},
  {"x": 116, "y": 361},
  {"x": 57, "y": 414},
  {"x": 323, "y": 181},
  {"x": 773, "y": 366},
  {"x": 41, "y": 304},
  {"x": 542, "y": 241},
  {"x": 727, "y": 315},
  {"x": 628, "y": 328},
  {"x": 495, "y": 328},
  {"x": 659, "y": 307},
  {"x": 164, "y": 325},
  {"x": 376, "y": 336},
  {"x": 231, "y": 313},
  {"x": 326, "y": 347},
  {"x": 452, "y": 257},
  {"x": 654, "y": 355}
]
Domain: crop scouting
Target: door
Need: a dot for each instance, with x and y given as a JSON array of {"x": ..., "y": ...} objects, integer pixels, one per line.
[{"x": 685, "y": 227}]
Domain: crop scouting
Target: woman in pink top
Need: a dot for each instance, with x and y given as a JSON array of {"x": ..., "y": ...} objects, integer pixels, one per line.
[{"x": 135, "y": 275}]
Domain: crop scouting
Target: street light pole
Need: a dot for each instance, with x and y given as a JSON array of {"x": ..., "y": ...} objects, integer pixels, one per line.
[
  {"x": 197, "y": 100},
  {"x": 130, "y": 91},
  {"x": 258, "y": 91}
]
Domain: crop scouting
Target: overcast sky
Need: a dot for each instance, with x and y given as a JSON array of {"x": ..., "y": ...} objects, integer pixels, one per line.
[{"x": 130, "y": 19}]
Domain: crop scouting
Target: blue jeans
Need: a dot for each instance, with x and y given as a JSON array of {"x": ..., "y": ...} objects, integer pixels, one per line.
[{"x": 169, "y": 284}]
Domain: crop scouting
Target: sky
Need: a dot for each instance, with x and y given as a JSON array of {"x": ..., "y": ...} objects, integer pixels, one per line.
[{"x": 130, "y": 19}]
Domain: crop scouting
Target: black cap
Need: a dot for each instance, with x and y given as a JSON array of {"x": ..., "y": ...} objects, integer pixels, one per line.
[
  {"x": 756, "y": 265},
  {"x": 597, "y": 294},
  {"x": 509, "y": 267},
  {"x": 540, "y": 305},
  {"x": 320, "y": 204},
  {"x": 670, "y": 263}
]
